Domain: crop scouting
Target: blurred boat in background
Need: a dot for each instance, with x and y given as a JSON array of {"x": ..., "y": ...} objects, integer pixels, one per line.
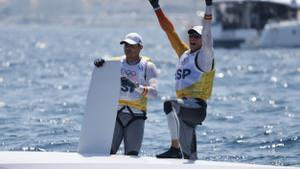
[{"x": 256, "y": 23}]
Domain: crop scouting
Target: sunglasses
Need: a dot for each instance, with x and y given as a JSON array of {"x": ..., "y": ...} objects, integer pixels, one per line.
[{"x": 196, "y": 36}]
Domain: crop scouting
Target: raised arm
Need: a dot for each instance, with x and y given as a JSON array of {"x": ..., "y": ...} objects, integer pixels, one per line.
[
  {"x": 179, "y": 46},
  {"x": 207, "y": 40}
]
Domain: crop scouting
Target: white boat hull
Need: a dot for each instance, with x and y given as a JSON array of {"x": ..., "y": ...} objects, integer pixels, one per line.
[
  {"x": 57, "y": 160},
  {"x": 282, "y": 34},
  {"x": 242, "y": 23}
]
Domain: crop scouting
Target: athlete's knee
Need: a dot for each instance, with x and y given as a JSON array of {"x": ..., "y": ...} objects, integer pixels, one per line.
[
  {"x": 167, "y": 107},
  {"x": 133, "y": 153},
  {"x": 192, "y": 116}
]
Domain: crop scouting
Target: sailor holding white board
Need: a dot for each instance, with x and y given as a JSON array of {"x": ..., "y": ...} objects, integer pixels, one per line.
[{"x": 138, "y": 83}]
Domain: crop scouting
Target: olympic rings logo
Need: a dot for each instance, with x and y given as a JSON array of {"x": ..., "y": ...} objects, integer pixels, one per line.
[{"x": 128, "y": 73}]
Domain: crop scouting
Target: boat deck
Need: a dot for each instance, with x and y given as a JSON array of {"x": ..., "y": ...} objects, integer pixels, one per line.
[{"x": 58, "y": 160}]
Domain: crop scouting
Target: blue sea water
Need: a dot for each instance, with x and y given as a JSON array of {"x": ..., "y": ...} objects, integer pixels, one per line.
[{"x": 253, "y": 115}]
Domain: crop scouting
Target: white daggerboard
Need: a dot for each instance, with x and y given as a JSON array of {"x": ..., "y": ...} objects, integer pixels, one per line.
[{"x": 100, "y": 110}]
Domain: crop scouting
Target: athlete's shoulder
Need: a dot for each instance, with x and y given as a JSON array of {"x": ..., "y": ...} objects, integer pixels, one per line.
[
  {"x": 148, "y": 61},
  {"x": 147, "y": 58}
]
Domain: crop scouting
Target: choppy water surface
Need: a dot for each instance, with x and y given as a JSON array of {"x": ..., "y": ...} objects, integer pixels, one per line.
[{"x": 253, "y": 115}]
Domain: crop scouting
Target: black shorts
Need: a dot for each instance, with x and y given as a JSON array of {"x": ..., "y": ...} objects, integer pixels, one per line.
[{"x": 191, "y": 115}]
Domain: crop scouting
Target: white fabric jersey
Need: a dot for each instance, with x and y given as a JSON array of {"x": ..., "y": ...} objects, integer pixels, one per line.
[
  {"x": 144, "y": 73},
  {"x": 187, "y": 73}
]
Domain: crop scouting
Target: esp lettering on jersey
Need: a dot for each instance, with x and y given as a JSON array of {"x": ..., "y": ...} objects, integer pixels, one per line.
[{"x": 182, "y": 73}]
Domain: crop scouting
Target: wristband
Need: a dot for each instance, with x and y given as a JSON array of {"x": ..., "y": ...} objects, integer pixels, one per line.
[{"x": 156, "y": 8}]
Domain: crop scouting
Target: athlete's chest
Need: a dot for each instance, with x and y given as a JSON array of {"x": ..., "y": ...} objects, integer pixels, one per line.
[{"x": 133, "y": 72}]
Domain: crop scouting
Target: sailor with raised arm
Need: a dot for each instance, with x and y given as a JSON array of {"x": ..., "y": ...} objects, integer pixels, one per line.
[
  {"x": 138, "y": 82},
  {"x": 194, "y": 82}
]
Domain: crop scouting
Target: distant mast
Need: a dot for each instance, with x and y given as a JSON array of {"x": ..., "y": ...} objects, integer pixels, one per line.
[{"x": 294, "y": 4}]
